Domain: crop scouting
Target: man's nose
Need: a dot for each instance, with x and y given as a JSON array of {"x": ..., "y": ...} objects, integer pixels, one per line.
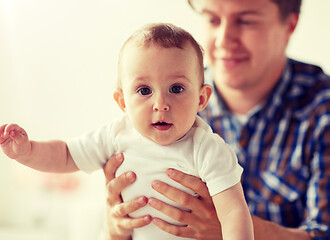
[
  {"x": 227, "y": 36},
  {"x": 161, "y": 104}
]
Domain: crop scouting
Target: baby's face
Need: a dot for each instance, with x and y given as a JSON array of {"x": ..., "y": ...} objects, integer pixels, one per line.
[{"x": 161, "y": 90}]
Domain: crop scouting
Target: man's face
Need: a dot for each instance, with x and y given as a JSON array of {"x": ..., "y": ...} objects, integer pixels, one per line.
[{"x": 245, "y": 42}]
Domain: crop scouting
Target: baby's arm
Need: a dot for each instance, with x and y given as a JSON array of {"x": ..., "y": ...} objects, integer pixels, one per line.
[
  {"x": 52, "y": 156},
  {"x": 233, "y": 214}
]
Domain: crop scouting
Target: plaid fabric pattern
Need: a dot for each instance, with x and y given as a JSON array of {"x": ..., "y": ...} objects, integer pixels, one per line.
[{"x": 284, "y": 149}]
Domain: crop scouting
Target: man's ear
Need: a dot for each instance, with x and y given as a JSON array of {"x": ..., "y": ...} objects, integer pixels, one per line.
[
  {"x": 119, "y": 98},
  {"x": 292, "y": 22},
  {"x": 204, "y": 96}
]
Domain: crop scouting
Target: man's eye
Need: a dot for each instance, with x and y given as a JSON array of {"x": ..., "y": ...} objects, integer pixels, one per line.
[
  {"x": 144, "y": 91},
  {"x": 244, "y": 22},
  {"x": 213, "y": 20},
  {"x": 176, "y": 89}
]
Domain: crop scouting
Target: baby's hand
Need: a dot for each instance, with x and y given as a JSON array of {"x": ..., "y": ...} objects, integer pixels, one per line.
[{"x": 14, "y": 141}]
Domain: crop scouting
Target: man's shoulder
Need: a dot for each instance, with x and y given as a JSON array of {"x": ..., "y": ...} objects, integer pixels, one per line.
[
  {"x": 306, "y": 74},
  {"x": 304, "y": 67},
  {"x": 310, "y": 88}
]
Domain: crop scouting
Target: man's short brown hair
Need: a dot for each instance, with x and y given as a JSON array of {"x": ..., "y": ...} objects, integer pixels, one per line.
[{"x": 285, "y": 6}]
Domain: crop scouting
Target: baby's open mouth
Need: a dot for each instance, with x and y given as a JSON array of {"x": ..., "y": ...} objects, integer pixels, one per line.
[{"x": 162, "y": 125}]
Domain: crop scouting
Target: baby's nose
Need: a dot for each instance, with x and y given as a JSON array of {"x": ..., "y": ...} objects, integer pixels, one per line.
[{"x": 161, "y": 105}]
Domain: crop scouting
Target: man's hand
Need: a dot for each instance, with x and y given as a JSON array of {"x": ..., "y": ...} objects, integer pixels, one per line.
[
  {"x": 264, "y": 229},
  {"x": 14, "y": 141},
  {"x": 119, "y": 224},
  {"x": 202, "y": 221}
]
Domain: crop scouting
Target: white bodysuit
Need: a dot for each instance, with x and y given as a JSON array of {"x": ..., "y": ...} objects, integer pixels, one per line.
[{"x": 200, "y": 152}]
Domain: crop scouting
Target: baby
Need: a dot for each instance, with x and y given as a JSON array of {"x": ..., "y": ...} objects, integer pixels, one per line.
[{"x": 161, "y": 89}]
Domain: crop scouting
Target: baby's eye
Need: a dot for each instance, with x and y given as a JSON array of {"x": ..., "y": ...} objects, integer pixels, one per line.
[
  {"x": 144, "y": 91},
  {"x": 176, "y": 89}
]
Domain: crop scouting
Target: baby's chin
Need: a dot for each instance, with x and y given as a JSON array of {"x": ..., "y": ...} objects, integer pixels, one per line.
[
  {"x": 164, "y": 141},
  {"x": 160, "y": 142}
]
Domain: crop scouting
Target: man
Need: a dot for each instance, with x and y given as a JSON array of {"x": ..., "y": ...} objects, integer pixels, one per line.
[{"x": 274, "y": 112}]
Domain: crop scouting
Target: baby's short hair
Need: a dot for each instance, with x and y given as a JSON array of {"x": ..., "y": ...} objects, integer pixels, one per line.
[{"x": 164, "y": 35}]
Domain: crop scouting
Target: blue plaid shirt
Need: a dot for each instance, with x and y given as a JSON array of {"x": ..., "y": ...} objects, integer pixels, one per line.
[{"x": 284, "y": 148}]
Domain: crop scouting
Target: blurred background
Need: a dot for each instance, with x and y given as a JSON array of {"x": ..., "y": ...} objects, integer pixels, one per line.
[{"x": 58, "y": 68}]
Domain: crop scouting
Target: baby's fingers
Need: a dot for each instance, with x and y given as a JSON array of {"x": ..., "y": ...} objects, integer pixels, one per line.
[
  {"x": 16, "y": 133},
  {"x": 3, "y": 137}
]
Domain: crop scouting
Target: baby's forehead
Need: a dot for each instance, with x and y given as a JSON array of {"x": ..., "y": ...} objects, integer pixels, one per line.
[
  {"x": 131, "y": 48},
  {"x": 141, "y": 48},
  {"x": 137, "y": 54}
]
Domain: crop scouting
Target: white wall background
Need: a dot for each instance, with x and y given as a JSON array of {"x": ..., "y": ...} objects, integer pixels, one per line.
[{"x": 58, "y": 63}]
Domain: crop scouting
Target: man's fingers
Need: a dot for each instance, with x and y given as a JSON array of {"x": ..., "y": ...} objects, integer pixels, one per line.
[
  {"x": 176, "y": 195},
  {"x": 112, "y": 165},
  {"x": 173, "y": 212},
  {"x": 117, "y": 185},
  {"x": 123, "y": 209},
  {"x": 189, "y": 181},
  {"x": 123, "y": 226},
  {"x": 186, "y": 232},
  {"x": 131, "y": 223},
  {"x": 197, "y": 224}
]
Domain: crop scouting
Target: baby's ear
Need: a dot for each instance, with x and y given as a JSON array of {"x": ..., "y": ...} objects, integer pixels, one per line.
[
  {"x": 204, "y": 96},
  {"x": 119, "y": 98}
]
